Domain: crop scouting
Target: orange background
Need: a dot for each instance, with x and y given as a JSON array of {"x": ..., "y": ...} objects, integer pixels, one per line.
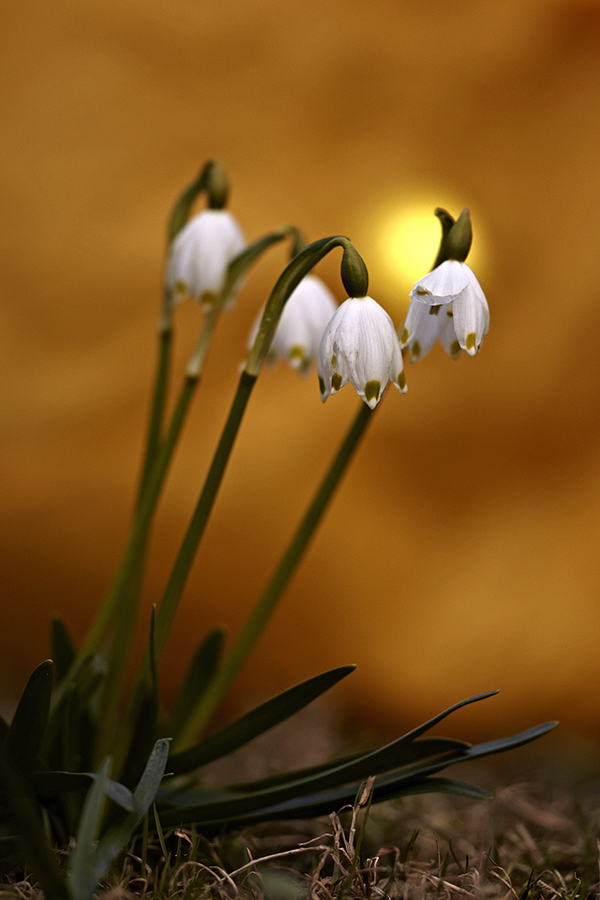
[{"x": 461, "y": 553}]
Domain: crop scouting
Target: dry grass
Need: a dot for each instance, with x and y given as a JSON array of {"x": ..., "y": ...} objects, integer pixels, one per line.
[{"x": 533, "y": 840}]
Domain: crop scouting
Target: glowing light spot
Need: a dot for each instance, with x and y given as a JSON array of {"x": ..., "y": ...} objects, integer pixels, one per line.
[{"x": 400, "y": 236}]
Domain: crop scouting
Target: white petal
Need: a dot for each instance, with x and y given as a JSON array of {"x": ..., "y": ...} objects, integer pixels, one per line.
[
  {"x": 360, "y": 345},
  {"x": 443, "y": 285},
  {"x": 201, "y": 252},
  {"x": 471, "y": 317},
  {"x": 422, "y": 328}
]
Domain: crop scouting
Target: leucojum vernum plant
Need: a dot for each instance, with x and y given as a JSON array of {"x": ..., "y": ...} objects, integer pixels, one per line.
[{"x": 89, "y": 764}]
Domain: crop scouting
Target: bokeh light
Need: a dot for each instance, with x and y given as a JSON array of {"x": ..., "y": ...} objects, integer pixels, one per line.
[{"x": 402, "y": 239}]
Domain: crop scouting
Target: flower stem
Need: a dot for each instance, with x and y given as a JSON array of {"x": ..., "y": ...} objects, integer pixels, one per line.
[
  {"x": 269, "y": 600},
  {"x": 185, "y": 558},
  {"x": 157, "y": 411}
]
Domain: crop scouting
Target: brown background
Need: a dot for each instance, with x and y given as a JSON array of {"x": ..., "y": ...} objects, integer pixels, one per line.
[{"x": 462, "y": 552}]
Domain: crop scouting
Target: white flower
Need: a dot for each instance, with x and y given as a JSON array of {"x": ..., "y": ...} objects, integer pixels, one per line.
[
  {"x": 200, "y": 254},
  {"x": 360, "y": 345},
  {"x": 448, "y": 304},
  {"x": 302, "y": 323}
]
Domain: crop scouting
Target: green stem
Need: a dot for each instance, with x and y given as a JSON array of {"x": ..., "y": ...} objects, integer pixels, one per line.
[
  {"x": 125, "y": 596},
  {"x": 267, "y": 604},
  {"x": 158, "y": 405},
  {"x": 185, "y": 558}
]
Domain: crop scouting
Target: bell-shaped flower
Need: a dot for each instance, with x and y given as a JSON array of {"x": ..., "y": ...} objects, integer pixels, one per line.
[
  {"x": 302, "y": 323},
  {"x": 448, "y": 304},
  {"x": 200, "y": 254},
  {"x": 360, "y": 345}
]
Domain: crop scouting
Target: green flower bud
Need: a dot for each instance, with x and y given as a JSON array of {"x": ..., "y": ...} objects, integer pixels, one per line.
[
  {"x": 355, "y": 276},
  {"x": 458, "y": 242}
]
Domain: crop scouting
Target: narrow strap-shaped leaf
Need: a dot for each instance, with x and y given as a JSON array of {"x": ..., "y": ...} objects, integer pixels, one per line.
[
  {"x": 117, "y": 837},
  {"x": 136, "y": 736},
  {"x": 420, "y": 749},
  {"x": 63, "y": 651},
  {"x": 27, "y": 728},
  {"x": 239, "y": 807},
  {"x": 256, "y": 722},
  {"x": 149, "y": 783},
  {"x": 201, "y": 670},
  {"x": 83, "y": 874},
  {"x": 27, "y": 820}
]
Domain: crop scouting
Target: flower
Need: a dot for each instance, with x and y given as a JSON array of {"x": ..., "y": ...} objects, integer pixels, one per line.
[
  {"x": 448, "y": 304},
  {"x": 360, "y": 345},
  {"x": 200, "y": 254},
  {"x": 308, "y": 310}
]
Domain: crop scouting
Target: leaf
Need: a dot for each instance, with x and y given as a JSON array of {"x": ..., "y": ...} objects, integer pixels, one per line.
[
  {"x": 83, "y": 872},
  {"x": 256, "y": 722},
  {"x": 140, "y": 732},
  {"x": 27, "y": 821},
  {"x": 200, "y": 672},
  {"x": 286, "y": 800},
  {"x": 27, "y": 728},
  {"x": 117, "y": 837},
  {"x": 63, "y": 651}
]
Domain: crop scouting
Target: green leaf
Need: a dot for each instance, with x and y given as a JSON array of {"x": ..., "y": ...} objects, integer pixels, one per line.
[
  {"x": 117, "y": 837},
  {"x": 27, "y": 821},
  {"x": 63, "y": 651},
  {"x": 256, "y": 722},
  {"x": 140, "y": 730},
  {"x": 200, "y": 672},
  {"x": 285, "y": 800},
  {"x": 83, "y": 871},
  {"x": 27, "y": 728}
]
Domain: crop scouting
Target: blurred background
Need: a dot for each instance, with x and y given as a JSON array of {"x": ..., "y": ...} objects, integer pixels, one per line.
[{"x": 461, "y": 552}]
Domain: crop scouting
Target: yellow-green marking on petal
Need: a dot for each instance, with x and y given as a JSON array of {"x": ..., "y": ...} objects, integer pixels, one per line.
[
  {"x": 471, "y": 341},
  {"x": 333, "y": 361},
  {"x": 181, "y": 287},
  {"x": 297, "y": 352},
  {"x": 455, "y": 348},
  {"x": 422, "y": 292},
  {"x": 401, "y": 380},
  {"x": 372, "y": 390},
  {"x": 415, "y": 350},
  {"x": 434, "y": 310},
  {"x": 336, "y": 381},
  {"x": 321, "y": 385}
]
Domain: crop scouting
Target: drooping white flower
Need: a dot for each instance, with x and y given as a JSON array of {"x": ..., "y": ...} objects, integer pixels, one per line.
[
  {"x": 360, "y": 345},
  {"x": 449, "y": 304},
  {"x": 302, "y": 323},
  {"x": 200, "y": 254}
]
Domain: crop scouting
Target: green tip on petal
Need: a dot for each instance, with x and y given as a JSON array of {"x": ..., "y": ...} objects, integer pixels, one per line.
[
  {"x": 372, "y": 391},
  {"x": 404, "y": 336},
  {"x": 321, "y": 385},
  {"x": 455, "y": 349},
  {"x": 401, "y": 381},
  {"x": 471, "y": 342},
  {"x": 336, "y": 381},
  {"x": 297, "y": 354},
  {"x": 415, "y": 351}
]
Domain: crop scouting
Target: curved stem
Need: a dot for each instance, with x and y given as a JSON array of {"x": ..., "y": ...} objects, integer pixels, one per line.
[{"x": 269, "y": 600}]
